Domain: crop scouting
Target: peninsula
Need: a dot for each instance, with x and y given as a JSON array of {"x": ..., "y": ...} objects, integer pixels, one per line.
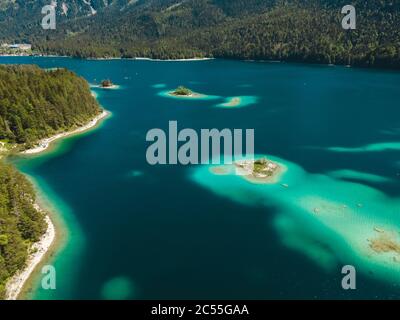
[
  {"x": 27, "y": 232},
  {"x": 44, "y": 144}
]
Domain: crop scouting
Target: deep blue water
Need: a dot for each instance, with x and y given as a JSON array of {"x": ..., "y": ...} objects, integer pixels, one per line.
[{"x": 158, "y": 234}]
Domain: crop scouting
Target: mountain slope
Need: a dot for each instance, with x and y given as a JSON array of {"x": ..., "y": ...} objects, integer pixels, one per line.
[{"x": 298, "y": 30}]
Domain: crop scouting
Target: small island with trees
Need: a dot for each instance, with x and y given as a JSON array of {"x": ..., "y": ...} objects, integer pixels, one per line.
[
  {"x": 259, "y": 171},
  {"x": 107, "y": 84},
  {"x": 183, "y": 92}
]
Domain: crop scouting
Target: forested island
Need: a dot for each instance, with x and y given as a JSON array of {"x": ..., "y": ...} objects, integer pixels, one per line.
[
  {"x": 257, "y": 171},
  {"x": 106, "y": 84},
  {"x": 292, "y": 30},
  {"x": 35, "y": 104},
  {"x": 182, "y": 91}
]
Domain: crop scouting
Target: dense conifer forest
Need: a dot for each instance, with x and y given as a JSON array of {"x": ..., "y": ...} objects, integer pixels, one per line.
[
  {"x": 37, "y": 103},
  {"x": 288, "y": 30},
  {"x": 20, "y": 223},
  {"x": 34, "y": 103}
]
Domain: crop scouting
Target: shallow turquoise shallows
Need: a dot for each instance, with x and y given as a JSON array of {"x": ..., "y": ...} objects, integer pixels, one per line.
[{"x": 136, "y": 231}]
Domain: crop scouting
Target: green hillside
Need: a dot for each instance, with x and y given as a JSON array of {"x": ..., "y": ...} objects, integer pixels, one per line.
[
  {"x": 20, "y": 223},
  {"x": 36, "y": 103},
  {"x": 291, "y": 30}
]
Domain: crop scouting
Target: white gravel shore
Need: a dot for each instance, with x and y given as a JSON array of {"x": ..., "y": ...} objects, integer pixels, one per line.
[
  {"x": 39, "y": 249},
  {"x": 37, "y": 252},
  {"x": 45, "y": 143}
]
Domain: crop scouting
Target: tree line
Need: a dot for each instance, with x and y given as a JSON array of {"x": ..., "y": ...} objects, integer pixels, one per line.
[
  {"x": 34, "y": 103},
  {"x": 37, "y": 103},
  {"x": 308, "y": 31},
  {"x": 20, "y": 223}
]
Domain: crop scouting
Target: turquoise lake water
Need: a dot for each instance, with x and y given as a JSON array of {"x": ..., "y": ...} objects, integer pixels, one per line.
[{"x": 137, "y": 231}]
